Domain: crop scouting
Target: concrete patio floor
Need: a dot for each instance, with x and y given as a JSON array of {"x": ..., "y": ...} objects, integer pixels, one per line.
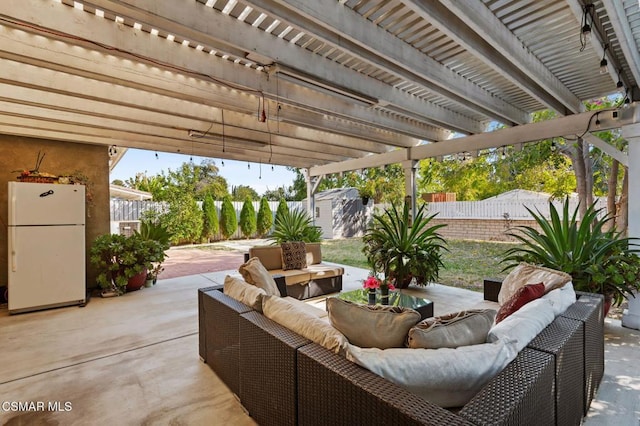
[{"x": 134, "y": 360}]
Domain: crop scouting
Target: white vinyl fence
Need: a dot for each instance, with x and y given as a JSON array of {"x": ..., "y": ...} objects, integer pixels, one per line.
[{"x": 513, "y": 210}]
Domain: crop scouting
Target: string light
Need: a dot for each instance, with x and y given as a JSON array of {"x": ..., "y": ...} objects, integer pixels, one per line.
[
  {"x": 157, "y": 157},
  {"x": 604, "y": 68}
]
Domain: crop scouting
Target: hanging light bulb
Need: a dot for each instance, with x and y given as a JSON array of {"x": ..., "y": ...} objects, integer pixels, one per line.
[
  {"x": 157, "y": 156},
  {"x": 272, "y": 167},
  {"x": 249, "y": 166},
  {"x": 263, "y": 116},
  {"x": 604, "y": 66},
  {"x": 222, "y": 162},
  {"x": 597, "y": 121}
]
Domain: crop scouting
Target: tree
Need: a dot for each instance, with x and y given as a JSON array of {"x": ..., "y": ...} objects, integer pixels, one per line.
[
  {"x": 228, "y": 219},
  {"x": 210, "y": 226},
  {"x": 298, "y": 190},
  {"x": 117, "y": 182},
  {"x": 248, "y": 218},
  {"x": 282, "y": 209},
  {"x": 275, "y": 194},
  {"x": 183, "y": 219},
  {"x": 242, "y": 192},
  {"x": 265, "y": 218}
]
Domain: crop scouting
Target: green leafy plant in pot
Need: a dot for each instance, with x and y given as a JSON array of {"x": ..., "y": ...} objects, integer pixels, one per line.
[
  {"x": 295, "y": 225},
  {"x": 151, "y": 230},
  {"x": 121, "y": 260},
  {"x": 599, "y": 260},
  {"x": 404, "y": 250}
]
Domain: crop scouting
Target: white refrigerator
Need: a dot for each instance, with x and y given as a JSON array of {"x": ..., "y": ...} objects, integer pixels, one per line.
[{"x": 46, "y": 238}]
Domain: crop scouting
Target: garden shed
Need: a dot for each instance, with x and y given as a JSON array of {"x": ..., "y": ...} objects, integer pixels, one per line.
[{"x": 341, "y": 213}]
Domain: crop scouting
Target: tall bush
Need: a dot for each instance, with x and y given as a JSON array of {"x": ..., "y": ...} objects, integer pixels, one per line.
[
  {"x": 283, "y": 209},
  {"x": 265, "y": 218},
  {"x": 228, "y": 219},
  {"x": 210, "y": 225},
  {"x": 183, "y": 219},
  {"x": 248, "y": 218}
]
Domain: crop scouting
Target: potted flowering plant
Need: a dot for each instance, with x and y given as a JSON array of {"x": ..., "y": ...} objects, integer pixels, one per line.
[{"x": 373, "y": 283}]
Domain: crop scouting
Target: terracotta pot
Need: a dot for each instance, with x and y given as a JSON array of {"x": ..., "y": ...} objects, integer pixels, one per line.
[
  {"x": 405, "y": 282},
  {"x": 137, "y": 281},
  {"x": 608, "y": 299}
]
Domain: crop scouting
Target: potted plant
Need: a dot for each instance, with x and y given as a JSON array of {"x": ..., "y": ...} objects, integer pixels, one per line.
[
  {"x": 122, "y": 262},
  {"x": 404, "y": 251},
  {"x": 152, "y": 230},
  {"x": 295, "y": 225},
  {"x": 599, "y": 260}
]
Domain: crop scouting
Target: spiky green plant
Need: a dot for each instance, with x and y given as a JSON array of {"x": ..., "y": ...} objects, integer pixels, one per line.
[
  {"x": 295, "y": 225},
  {"x": 599, "y": 260},
  {"x": 402, "y": 249}
]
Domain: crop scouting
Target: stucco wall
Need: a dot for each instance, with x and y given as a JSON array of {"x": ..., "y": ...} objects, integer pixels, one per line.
[
  {"x": 18, "y": 153},
  {"x": 480, "y": 229}
]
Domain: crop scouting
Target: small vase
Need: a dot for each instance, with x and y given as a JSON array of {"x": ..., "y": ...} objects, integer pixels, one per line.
[
  {"x": 384, "y": 295},
  {"x": 372, "y": 296}
]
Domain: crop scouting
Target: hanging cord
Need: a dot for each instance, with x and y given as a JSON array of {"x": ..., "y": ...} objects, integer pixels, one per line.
[{"x": 223, "y": 138}]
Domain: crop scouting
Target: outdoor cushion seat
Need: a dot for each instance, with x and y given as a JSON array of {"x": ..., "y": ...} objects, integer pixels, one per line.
[
  {"x": 293, "y": 276},
  {"x": 323, "y": 271}
]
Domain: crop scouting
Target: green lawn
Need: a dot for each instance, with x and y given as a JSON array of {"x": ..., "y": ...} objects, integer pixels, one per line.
[{"x": 466, "y": 263}]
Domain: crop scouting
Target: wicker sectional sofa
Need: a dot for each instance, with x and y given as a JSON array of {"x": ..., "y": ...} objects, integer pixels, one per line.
[
  {"x": 282, "y": 378},
  {"x": 316, "y": 279}
]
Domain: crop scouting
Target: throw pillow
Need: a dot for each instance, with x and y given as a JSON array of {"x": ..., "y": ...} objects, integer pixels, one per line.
[
  {"x": 254, "y": 273},
  {"x": 453, "y": 330},
  {"x": 526, "y": 273},
  {"x": 521, "y": 297},
  {"x": 561, "y": 298},
  {"x": 305, "y": 324},
  {"x": 244, "y": 292},
  {"x": 525, "y": 324},
  {"x": 446, "y": 377},
  {"x": 294, "y": 255},
  {"x": 371, "y": 326}
]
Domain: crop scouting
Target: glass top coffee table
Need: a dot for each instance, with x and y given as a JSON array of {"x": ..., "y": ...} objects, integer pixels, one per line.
[{"x": 396, "y": 298}]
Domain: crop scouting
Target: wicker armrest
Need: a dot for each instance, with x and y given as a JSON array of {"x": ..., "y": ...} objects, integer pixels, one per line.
[
  {"x": 268, "y": 375},
  {"x": 220, "y": 343},
  {"x": 520, "y": 395},
  {"x": 588, "y": 310},
  {"x": 492, "y": 289},
  {"x": 335, "y": 391}
]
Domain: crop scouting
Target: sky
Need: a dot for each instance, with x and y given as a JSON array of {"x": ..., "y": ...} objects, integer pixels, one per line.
[{"x": 236, "y": 173}]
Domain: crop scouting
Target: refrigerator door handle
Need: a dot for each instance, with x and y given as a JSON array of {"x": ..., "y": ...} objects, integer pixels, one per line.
[{"x": 14, "y": 249}]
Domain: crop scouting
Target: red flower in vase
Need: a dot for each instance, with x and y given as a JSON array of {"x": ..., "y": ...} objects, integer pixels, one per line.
[{"x": 373, "y": 282}]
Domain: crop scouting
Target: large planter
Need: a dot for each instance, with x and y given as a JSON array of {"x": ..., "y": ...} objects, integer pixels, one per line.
[{"x": 137, "y": 281}]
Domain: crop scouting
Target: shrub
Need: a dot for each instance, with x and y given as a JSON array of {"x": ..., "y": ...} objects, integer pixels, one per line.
[
  {"x": 210, "y": 226},
  {"x": 283, "y": 208},
  {"x": 248, "y": 218},
  {"x": 228, "y": 219},
  {"x": 183, "y": 219},
  {"x": 265, "y": 218}
]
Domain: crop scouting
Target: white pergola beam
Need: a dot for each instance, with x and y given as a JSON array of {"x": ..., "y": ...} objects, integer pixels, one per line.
[
  {"x": 607, "y": 148},
  {"x": 344, "y": 29},
  {"x": 570, "y": 125},
  {"x": 620, "y": 24},
  {"x": 201, "y": 27},
  {"x": 496, "y": 35},
  {"x": 60, "y": 17}
]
